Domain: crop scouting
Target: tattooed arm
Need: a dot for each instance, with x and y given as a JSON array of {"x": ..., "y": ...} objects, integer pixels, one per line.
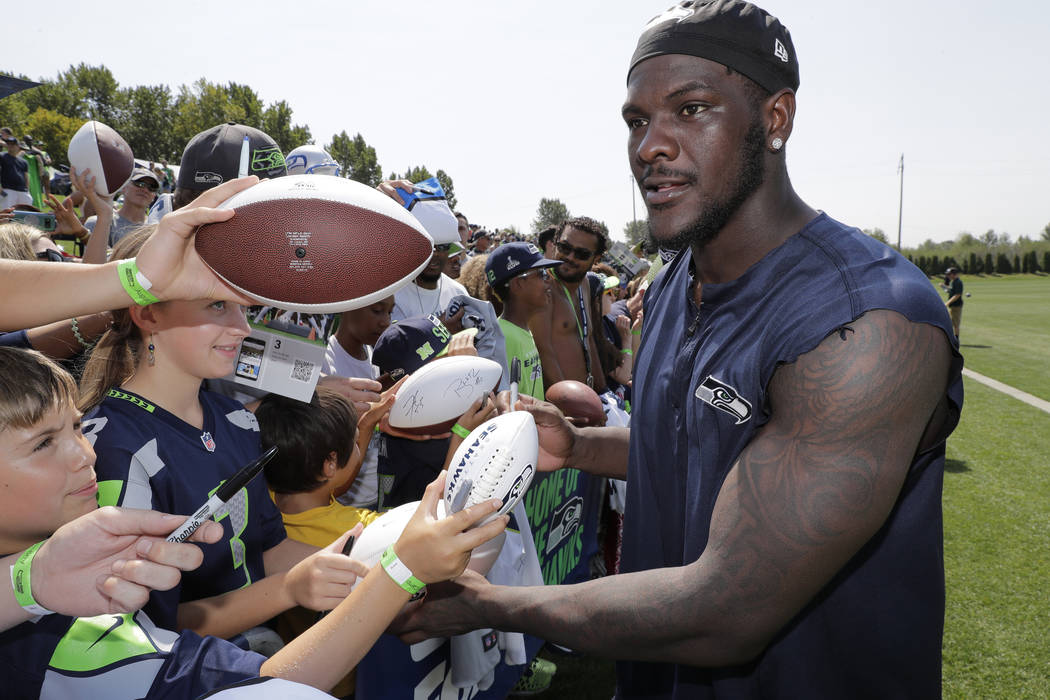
[{"x": 811, "y": 488}]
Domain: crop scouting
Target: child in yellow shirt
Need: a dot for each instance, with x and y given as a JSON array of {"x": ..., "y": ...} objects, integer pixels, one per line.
[{"x": 318, "y": 457}]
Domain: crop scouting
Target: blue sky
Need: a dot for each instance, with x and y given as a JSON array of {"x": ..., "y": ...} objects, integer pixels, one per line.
[{"x": 518, "y": 101}]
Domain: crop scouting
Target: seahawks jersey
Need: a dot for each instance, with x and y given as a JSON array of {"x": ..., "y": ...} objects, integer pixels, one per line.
[
  {"x": 115, "y": 657},
  {"x": 148, "y": 458},
  {"x": 701, "y": 383}
]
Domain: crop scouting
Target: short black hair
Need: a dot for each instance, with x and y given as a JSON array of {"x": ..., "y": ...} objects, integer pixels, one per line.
[
  {"x": 305, "y": 435},
  {"x": 501, "y": 290},
  {"x": 545, "y": 236},
  {"x": 587, "y": 225}
]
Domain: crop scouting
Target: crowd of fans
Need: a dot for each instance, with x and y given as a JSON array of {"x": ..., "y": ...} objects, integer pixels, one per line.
[{"x": 136, "y": 411}]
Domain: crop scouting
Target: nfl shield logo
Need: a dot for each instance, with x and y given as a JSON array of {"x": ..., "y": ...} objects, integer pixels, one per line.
[{"x": 209, "y": 442}]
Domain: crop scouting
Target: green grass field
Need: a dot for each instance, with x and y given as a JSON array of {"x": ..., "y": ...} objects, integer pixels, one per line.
[
  {"x": 997, "y": 500},
  {"x": 996, "y": 510},
  {"x": 1005, "y": 330}
]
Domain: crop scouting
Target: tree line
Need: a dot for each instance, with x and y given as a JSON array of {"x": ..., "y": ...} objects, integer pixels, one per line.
[
  {"x": 157, "y": 121},
  {"x": 990, "y": 253}
]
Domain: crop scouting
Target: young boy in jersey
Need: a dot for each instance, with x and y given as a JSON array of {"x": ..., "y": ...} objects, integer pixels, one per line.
[
  {"x": 349, "y": 354},
  {"x": 519, "y": 275},
  {"x": 47, "y": 467}
]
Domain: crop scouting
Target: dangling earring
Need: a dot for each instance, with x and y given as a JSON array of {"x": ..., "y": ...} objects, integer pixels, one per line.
[{"x": 152, "y": 357}]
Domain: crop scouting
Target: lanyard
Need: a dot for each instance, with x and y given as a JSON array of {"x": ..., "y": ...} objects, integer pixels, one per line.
[{"x": 583, "y": 329}]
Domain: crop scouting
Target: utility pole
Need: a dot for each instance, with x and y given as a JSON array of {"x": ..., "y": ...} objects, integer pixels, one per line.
[{"x": 900, "y": 206}]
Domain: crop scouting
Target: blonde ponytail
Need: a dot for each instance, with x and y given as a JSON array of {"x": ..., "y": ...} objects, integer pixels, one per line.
[{"x": 116, "y": 355}]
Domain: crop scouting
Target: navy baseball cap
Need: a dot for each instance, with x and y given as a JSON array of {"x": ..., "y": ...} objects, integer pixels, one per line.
[
  {"x": 213, "y": 156},
  {"x": 411, "y": 343},
  {"x": 512, "y": 259}
]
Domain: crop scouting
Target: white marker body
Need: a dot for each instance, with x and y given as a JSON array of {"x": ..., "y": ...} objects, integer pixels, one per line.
[{"x": 245, "y": 148}]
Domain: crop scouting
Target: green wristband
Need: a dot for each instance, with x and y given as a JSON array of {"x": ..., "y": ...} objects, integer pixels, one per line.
[
  {"x": 399, "y": 572},
  {"x": 22, "y": 585},
  {"x": 136, "y": 284},
  {"x": 638, "y": 332},
  {"x": 458, "y": 429},
  {"x": 626, "y": 351}
]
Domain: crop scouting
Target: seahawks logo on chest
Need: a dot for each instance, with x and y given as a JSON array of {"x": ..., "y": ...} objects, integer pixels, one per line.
[{"x": 725, "y": 398}]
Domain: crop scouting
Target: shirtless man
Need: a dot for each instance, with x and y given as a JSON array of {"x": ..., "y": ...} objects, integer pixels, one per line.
[{"x": 561, "y": 330}]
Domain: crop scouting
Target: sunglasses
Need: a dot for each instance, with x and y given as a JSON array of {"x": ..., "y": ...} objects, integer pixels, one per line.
[
  {"x": 578, "y": 253},
  {"x": 145, "y": 185},
  {"x": 543, "y": 273},
  {"x": 443, "y": 248}
]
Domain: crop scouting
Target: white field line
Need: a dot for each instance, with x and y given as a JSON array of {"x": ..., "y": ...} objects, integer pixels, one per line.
[{"x": 1008, "y": 390}]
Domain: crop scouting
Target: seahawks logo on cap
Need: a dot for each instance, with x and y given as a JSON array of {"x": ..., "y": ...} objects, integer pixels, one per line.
[
  {"x": 725, "y": 398},
  {"x": 204, "y": 177},
  {"x": 267, "y": 158}
]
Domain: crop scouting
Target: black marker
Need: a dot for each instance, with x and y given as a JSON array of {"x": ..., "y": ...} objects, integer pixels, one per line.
[
  {"x": 515, "y": 377},
  {"x": 225, "y": 493},
  {"x": 346, "y": 552}
]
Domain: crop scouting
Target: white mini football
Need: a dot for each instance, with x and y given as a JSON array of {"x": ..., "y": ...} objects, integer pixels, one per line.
[
  {"x": 387, "y": 528},
  {"x": 430, "y": 401},
  {"x": 99, "y": 148},
  {"x": 381, "y": 533},
  {"x": 497, "y": 460}
]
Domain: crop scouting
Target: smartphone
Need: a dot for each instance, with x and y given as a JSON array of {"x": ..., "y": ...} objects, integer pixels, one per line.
[
  {"x": 249, "y": 363},
  {"x": 45, "y": 221}
]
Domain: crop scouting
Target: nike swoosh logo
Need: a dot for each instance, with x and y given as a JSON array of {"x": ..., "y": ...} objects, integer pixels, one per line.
[{"x": 118, "y": 622}]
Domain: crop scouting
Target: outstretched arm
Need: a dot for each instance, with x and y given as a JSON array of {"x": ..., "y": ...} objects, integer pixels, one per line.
[
  {"x": 37, "y": 293},
  {"x": 104, "y": 562},
  {"x": 433, "y": 550},
  {"x": 813, "y": 486}
]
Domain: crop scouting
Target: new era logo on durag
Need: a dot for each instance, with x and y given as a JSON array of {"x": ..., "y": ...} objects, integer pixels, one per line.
[{"x": 780, "y": 51}]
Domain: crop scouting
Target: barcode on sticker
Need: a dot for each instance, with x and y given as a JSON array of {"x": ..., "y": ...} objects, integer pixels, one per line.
[{"x": 302, "y": 370}]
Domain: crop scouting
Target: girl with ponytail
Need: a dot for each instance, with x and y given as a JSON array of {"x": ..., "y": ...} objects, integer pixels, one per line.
[{"x": 163, "y": 443}]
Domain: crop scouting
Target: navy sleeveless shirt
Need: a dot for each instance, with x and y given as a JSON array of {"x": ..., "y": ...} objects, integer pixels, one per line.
[{"x": 875, "y": 629}]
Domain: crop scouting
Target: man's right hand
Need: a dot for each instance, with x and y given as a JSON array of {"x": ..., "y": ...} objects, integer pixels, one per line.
[
  {"x": 557, "y": 435},
  {"x": 447, "y": 610}
]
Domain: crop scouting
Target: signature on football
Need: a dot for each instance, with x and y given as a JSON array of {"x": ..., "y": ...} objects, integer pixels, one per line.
[
  {"x": 466, "y": 383},
  {"x": 415, "y": 403}
]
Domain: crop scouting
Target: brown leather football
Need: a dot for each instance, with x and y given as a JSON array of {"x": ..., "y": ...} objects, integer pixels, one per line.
[
  {"x": 577, "y": 400},
  {"x": 315, "y": 243},
  {"x": 99, "y": 148}
]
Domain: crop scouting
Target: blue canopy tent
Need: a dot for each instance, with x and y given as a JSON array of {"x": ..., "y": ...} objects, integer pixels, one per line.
[{"x": 10, "y": 85}]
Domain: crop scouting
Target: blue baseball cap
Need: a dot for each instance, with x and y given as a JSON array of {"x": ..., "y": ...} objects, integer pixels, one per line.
[
  {"x": 410, "y": 343},
  {"x": 512, "y": 259}
]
